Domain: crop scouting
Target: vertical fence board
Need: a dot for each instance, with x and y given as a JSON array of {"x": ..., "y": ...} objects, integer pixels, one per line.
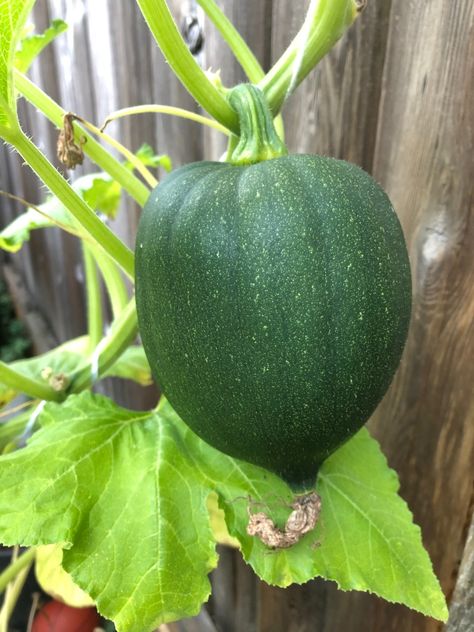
[
  {"x": 461, "y": 612},
  {"x": 423, "y": 158},
  {"x": 335, "y": 110},
  {"x": 393, "y": 97}
]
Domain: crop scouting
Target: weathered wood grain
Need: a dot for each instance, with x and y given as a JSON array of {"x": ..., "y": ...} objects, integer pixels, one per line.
[
  {"x": 461, "y": 614},
  {"x": 424, "y": 159},
  {"x": 394, "y": 97},
  {"x": 334, "y": 111}
]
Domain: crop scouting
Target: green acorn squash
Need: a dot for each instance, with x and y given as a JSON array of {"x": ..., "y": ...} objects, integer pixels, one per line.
[{"x": 273, "y": 298}]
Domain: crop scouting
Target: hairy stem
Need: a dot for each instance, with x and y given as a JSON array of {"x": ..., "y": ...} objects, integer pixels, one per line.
[
  {"x": 185, "y": 67},
  {"x": 104, "y": 159},
  {"x": 240, "y": 49},
  {"x": 236, "y": 42},
  {"x": 101, "y": 234},
  {"x": 126, "y": 153}
]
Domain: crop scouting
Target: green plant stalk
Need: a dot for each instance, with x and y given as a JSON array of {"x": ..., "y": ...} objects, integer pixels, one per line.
[
  {"x": 101, "y": 234},
  {"x": 116, "y": 290},
  {"x": 15, "y": 567},
  {"x": 240, "y": 49},
  {"x": 123, "y": 331},
  {"x": 11, "y": 597},
  {"x": 165, "y": 109},
  {"x": 330, "y": 20},
  {"x": 236, "y": 42},
  {"x": 128, "y": 155},
  {"x": 95, "y": 322},
  {"x": 11, "y": 429},
  {"x": 27, "y": 385},
  {"x": 104, "y": 159},
  {"x": 185, "y": 67}
]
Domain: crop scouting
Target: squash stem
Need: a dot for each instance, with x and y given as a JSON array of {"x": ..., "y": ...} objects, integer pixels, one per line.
[
  {"x": 185, "y": 67},
  {"x": 326, "y": 21},
  {"x": 258, "y": 137}
]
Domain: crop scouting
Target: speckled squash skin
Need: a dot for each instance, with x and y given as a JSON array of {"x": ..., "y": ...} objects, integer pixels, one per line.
[{"x": 273, "y": 304}]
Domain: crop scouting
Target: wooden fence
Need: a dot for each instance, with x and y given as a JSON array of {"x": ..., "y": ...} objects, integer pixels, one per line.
[{"x": 394, "y": 96}]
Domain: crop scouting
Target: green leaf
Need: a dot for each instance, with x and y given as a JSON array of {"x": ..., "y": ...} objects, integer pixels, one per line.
[
  {"x": 365, "y": 538},
  {"x": 115, "y": 487},
  {"x": 132, "y": 365},
  {"x": 97, "y": 189},
  {"x": 31, "y": 45},
  {"x": 54, "y": 580},
  {"x": 13, "y": 15},
  {"x": 11, "y": 429},
  {"x": 102, "y": 194},
  {"x": 147, "y": 156},
  {"x": 96, "y": 473}
]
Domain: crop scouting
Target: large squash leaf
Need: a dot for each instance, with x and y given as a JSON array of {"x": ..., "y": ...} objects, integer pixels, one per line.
[{"x": 125, "y": 493}]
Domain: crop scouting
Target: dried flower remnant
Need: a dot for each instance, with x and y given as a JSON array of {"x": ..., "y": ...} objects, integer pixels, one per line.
[
  {"x": 302, "y": 520},
  {"x": 69, "y": 152}
]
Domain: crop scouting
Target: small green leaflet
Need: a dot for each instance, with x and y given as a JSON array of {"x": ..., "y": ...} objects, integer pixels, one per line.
[
  {"x": 147, "y": 156},
  {"x": 96, "y": 473},
  {"x": 31, "y": 46},
  {"x": 71, "y": 356},
  {"x": 100, "y": 192},
  {"x": 13, "y": 15}
]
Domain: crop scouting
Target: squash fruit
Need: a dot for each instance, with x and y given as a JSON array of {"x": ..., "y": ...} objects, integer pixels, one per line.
[{"x": 273, "y": 297}]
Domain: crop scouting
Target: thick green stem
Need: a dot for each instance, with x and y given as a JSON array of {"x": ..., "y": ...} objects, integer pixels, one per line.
[
  {"x": 134, "y": 187},
  {"x": 95, "y": 322},
  {"x": 185, "y": 67},
  {"x": 28, "y": 385},
  {"x": 116, "y": 290},
  {"x": 15, "y": 567},
  {"x": 12, "y": 429},
  {"x": 322, "y": 28},
  {"x": 123, "y": 331},
  {"x": 239, "y": 47},
  {"x": 236, "y": 42},
  {"x": 104, "y": 237},
  {"x": 258, "y": 137}
]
